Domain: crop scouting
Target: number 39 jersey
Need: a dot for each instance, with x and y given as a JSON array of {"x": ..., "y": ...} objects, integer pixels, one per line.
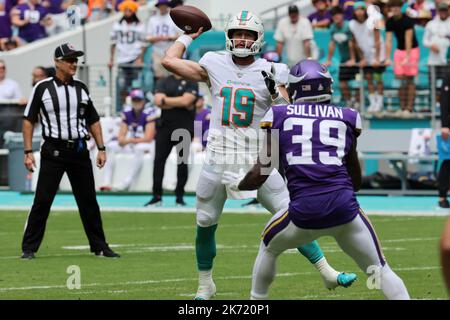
[
  {"x": 314, "y": 140},
  {"x": 240, "y": 99}
]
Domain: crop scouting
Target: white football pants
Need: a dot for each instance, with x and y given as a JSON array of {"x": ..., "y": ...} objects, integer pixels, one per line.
[
  {"x": 211, "y": 195},
  {"x": 356, "y": 238}
]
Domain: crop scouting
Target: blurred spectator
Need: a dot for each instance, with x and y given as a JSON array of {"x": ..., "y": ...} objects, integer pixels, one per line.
[
  {"x": 9, "y": 89},
  {"x": 176, "y": 3},
  {"x": 437, "y": 36},
  {"x": 8, "y": 44},
  {"x": 128, "y": 45},
  {"x": 296, "y": 33},
  {"x": 321, "y": 18},
  {"x": 406, "y": 56},
  {"x": 97, "y": 10},
  {"x": 202, "y": 118},
  {"x": 5, "y": 19},
  {"x": 342, "y": 37},
  {"x": 57, "y": 11},
  {"x": 30, "y": 18},
  {"x": 421, "y": 11},
  {"x": 271, "y": 56},
  {"x": 347, "y": 5},
  {"x": 161, "y": 33},
  {"x": 136, "y": 134},
  {"x": 371, "y": 52},
  {"x": 176, "y": 97},
  {"x": 40, "y": 73},
  {"x": 375, "y": 17}
]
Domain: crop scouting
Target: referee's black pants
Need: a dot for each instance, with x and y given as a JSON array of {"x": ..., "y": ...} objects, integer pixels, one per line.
[
  {"x": 55, "y": 160},
  {"x": 163, "y": 147},
  {"x": 444, "y": 178}
]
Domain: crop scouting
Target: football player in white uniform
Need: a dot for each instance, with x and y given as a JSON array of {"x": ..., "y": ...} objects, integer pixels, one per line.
[{"x": 243, "y": 88}]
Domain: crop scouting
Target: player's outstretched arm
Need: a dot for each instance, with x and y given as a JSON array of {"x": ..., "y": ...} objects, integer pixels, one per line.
[
  {"x": 354, "y": 168},
  {"x": 187, "y": 69}
]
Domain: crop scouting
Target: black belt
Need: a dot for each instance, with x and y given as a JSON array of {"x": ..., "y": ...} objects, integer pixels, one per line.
[{"x": 69, "y": 144}]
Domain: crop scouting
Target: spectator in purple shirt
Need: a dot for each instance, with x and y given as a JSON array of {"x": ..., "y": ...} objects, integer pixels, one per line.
[
  {"x": 57, "y": 11},
  {"x": 5, "y": 19},
  {"x": 202, "y": 117},
  {"x": 322, "y": 17},
  {"x": 31, "y": 19},
  {"x": 347, "y": 5}
]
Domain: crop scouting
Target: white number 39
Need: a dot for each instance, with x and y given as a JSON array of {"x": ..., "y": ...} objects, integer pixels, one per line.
[{"x": 305, "y": 140}]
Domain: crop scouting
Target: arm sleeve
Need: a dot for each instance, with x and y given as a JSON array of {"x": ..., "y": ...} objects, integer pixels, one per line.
[
  {"x": 281, "y": 73},
  {"x": 307, "y": 30},
  {"x": 34, "y": 104},
  {"x": 207, "y": 61},
  {"x": 267, "y": 121},
  {"x": 444, "y": 101},
  {"x": 91, "y": 115}
]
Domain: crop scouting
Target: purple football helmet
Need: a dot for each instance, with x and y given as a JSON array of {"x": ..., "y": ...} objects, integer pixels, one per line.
[{"x": 310, "y": 81}]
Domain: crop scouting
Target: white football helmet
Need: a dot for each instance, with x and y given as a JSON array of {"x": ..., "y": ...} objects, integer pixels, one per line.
[{"x": 245, "y": 20}]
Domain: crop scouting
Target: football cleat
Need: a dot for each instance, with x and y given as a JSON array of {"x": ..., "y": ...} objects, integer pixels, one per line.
[
  {"x": 206, "y": 292},
  {"x": 343, "y": 280}
]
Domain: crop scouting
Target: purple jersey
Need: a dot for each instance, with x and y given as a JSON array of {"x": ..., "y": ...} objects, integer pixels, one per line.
[
  {"x": 5, "y": 20},
  {"x": 320, "y": 16},
  {"x": 34, "y": 30},
  {"x": 314, "y": 140},
  {"x": 347, "y": 5},
  {"x": 54, "y": 6},
  {"x": 136, "y": 122},
  {"x": 204, "y": 117}
]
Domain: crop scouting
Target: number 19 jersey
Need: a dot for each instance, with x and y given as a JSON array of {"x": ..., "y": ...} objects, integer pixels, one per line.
[{"x": 240, "y": 99}]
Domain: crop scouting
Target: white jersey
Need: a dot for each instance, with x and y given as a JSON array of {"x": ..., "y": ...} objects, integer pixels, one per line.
[
  {"x": 162, "y": 26},
  {"x": 129, "y": 40},
  {"x": 240, "y": 99}
]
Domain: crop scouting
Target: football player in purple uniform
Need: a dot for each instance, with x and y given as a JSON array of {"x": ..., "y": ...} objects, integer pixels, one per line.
[{"x": 316, "y": 143}]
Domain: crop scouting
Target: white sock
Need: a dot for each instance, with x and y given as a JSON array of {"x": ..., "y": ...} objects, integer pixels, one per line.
[
  {"x": 326, "y": 271},
  {"x": 204, "y": 277}
]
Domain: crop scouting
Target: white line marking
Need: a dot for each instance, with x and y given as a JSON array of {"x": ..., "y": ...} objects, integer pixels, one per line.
[
  {"x": 190, "y": 280},
  {"x": 247, "y": 211}
]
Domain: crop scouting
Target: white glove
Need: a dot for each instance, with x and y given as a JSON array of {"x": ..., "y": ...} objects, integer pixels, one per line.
[{"x": 232, "y": 179}]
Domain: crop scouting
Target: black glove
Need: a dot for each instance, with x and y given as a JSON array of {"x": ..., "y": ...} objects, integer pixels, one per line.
[{"x": 269, "y": 79}]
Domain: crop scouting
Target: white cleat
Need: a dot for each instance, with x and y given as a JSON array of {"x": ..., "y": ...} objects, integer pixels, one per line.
[{"x": 206, "y": 291}]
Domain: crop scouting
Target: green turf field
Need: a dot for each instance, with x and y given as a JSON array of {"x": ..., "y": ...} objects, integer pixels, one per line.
[{"x": 158, "y": 259}]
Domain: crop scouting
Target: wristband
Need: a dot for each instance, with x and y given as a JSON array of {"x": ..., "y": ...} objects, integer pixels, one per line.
[
  {"x": 28, "y": 151},
  {"x": 101, "y": 148},
  {"x": 279, "y": 99},
  {"x": 185, "y": 40}
]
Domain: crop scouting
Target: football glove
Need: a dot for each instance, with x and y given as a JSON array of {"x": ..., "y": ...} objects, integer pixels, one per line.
[
  {"x": 269, "y": 79},
  {"x": 232, "y": 179}
]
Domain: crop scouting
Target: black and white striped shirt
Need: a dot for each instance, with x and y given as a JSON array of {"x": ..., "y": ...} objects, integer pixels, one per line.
[{"x": 65, "y": 110}]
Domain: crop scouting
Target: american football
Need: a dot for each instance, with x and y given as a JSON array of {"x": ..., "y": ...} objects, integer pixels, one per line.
[{"x": 190, "y": 19}]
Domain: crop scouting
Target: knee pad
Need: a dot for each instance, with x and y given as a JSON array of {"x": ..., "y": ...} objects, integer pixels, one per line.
[{"x": 206, "y": 219}]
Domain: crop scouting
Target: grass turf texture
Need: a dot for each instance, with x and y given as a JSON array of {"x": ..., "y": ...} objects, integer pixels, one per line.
[{"x": 158, "y": 259}]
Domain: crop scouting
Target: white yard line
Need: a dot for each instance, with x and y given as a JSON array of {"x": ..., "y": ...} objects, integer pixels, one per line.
[
  {"x": 145, "y": 282},
  {"x": 429, "y": 213}
]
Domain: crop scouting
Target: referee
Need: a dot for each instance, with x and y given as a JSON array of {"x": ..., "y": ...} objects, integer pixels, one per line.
[
  {"x": 176, "y": 97},
  {"x": 67, "y": 115},
  {"x": 444, "y": 172}
]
